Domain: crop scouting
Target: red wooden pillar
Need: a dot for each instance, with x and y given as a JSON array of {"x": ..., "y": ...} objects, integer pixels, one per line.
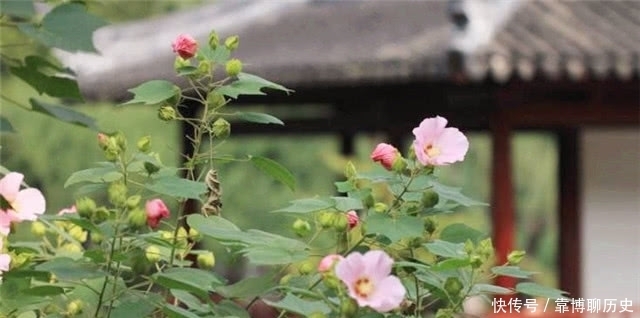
[{"x": 502, "y": 196}]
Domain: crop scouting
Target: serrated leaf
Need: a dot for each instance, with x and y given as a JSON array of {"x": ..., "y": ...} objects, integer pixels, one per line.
[
  {"x": 347, "y": 204},
  {"x": 446, "y": 249},
  {"x": 64, "y": 114},
  {"x": 5, "y": 126},
  {"x": 275, "y": 170},
  {"x": 306, "y": 206},
  {"x": 22, "y": 9},
  {"x": 394, "y": 228},
  {"x": 94, "y": 175},
  {"x": 177, "y": 187},
  {"x": 249, "y": 84},
  {"x": 68, "y": 27},
  {"x": 298, "y": 305},
  {"x": 248, "y": 288},
  {"x": 490, "y": 289},
  {"x": 460, "y": 233},
  {"x": 511, "y": 271},
  {"x": 259, "y": 118},
  {"x": 33, "y": 73},
  {"x": 454, "y": 194},
  {"x": 219, "y": 55},
  {"x": 216, "y": 227},
  {"x": 537, "y": 290},
  {"x": 153, "y": 92}
]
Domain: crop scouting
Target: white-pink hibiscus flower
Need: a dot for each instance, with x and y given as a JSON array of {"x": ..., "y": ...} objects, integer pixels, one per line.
[
  {"x": 5, "y": 261},
  {"x": 369, "y": 280},
  {"x": 436, "y": 145},
  {"x": 20, "y": 205}
]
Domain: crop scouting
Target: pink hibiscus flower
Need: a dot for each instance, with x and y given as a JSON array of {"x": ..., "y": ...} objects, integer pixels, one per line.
[
  {"x": 385, "y": 154},
  {"x": 353, "y": 219},
  {"x": 327, "y": 262},
  {"x": 156, "y": 210},
  {"x": 21, "y": 205},
  {"x": 369, "y": 281},
  {"x": 185, "y": 46},
  {"x": 436, "y": 145}
]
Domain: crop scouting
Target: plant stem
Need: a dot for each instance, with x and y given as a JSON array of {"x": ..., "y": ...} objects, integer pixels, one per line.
[{"x": 106, "y": 279}]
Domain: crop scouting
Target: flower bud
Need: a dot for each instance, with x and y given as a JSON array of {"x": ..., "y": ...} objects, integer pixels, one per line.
[
  {"x": 515, "y": 257},
  {"x": 38, "y": 228},
  {"x": 485, "y": 248},
  {"x": 101, "y": 215},
  {"x": 430, "y": 225},
  {"x": 453, "y": 286},
  {"x": 350, "y": 171},
  {"x": 137, "y": 218},
  {"x": 326, "y": 219},
  {"x": 348, "y": 308},
  {"x": 301, "y": 227},
  {"x": 194, "y": 235},
  {"x": 85, "y": 206},
  {"x": 331, "y": 281},
  {"x": 74, "y": 307},
  {"x": 429, "y": 198},
  {"x": 77, "y": 233},
  {"x": 156, "y": 210},
  {"x": 111, "y": 154},
  {"x": 185, "y": 46},
  {"x": 340, "y": 222},
  {"x": 213, "y": 40},
  {"x": 231, "y": 43},
  {"x": 144, "y": 144},
  {"x": 445, "y": 313},
  {"x": 204, "y": 68},
  {"x": 133, "y": 201},
  {"x": 103, "y": 141},
  {"x": 399, "y": 164},
  {"x": 352, "y": 219},
  {"x": 121, "y": 142},
  {"x": 221, "y": 128},
  {"x": 380, "y": 207},
  {"x": 117, "y": 193},
  {"x": 327, "y": 263},
  {"x": 476, "y": 261},
  {"x": 385, "y": 154},
  {"x": 152, "y": 253},
  {"x": 166, "y": 113},
  {"x": 285, "y": 279},
  {"x": 182, "y": 237},
  {"x": 96, "y": 237},
  {"x": 206, "y": 260},
  {"x": 306, "y": 268},
  {"x": 233, "y": 67},
  {"x": 215, "y": 100},
  {"x": 72, "y": 248},
  {"x": 167, "y": 236},
  {"x": 179, "y": 63}
]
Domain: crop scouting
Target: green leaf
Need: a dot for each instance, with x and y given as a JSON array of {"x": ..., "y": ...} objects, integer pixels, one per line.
[
  {"x": 306, "y": 206},
  {"x": 228, "y": 308},
  {"x": 347, "y": 204},
  {"x": 153, "y": 92},
  {"x": 394, "y": 228},
  {"x": 490, "y": 289},
  {"x": 460, "y": 233},
  {"x": 536, "y": 290},
  {"x": 68, "y": 27},
  {"x": 177, "y": 312},
  {"x": 194, "y": 280},
  {"x": 34, "y": 72},
  {"x": 44, "y": 290},
  {"x": 248, "y": 84},
  {"x": 22, "y": 9},
  {"x": 64, "y": 114},
  {"x": 273, "y": 255},
  {"x": 344, "y": 186},
  {"x": 511, "y": 271},
  {"x": 68, "y": 269},
  {"x": 248, "y": 288},
  {"x": 275, "y": 170},
  {"x": 5, "y": 126},
  {"x": 94, "y": 175},
  {"x": 446, "y": 249},
  {"x": 192, "y": 302},
  {"x": 259, "y": 118},
  {"x": 217, "y": 228},
  {"x": 177, "y": 187},
  {"x": 140, "y": 307},
  {"x": 451, "y": 263},
  {"x": 298, "y": 305},
  {"x": 454, "y": 194}
]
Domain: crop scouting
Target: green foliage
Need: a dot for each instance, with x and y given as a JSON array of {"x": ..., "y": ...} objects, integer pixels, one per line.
[
  {"x": 275, "y": 170},
  {"x": 33, "y": 72},
  {"x": 64, "y": 114},
  {"x": 248, "y": 84},
  {"x": 153, "y": 92}
]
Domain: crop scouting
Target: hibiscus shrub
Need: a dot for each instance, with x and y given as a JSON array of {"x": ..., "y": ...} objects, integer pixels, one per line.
[{"x": 125, "y": 258}]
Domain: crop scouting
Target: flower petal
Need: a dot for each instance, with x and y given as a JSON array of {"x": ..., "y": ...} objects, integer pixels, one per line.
[
  {"x": 30, "y": 203},
  {"x": 10, "y": 185},
  {"x": 389, "y": 294},
  {"x": 5, "y": 260},
  {"x": 5, "y": 224},
  {"x": 377, "y": 265},
  {"x": 453, "y": 146}
]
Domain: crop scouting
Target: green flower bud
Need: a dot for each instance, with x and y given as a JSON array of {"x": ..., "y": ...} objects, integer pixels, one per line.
[
  {"x": 204, "y": 68},
  {"x": 117, "y": 193},
  {"x": 72, "y": 248},
  {"x": 179, "y": 63},
  {"x": 350, "y": 171},
  {"x": 182, "y": 237},
  {"x": 285, "y": 279},
  {"x": 380, "y": 207},
  {"x": 453, "y": 286},
  {"x": 133, "y": 201},
  {"x": 96, "y": 237},
  {"x": 399, "y": 164},
  {"x": 77, "y": 233},
  {"x": 476, "y": 261},
  {"x": 231, "y": 43},
  {"x": 144, "y": 144},
  {"x": 194, "y": 235},
  {"x": 221, "y": 128},
  {"x": 485, "y": 248},
  {"x": 368, "y": 201},
  {"x": 215, "y": 100},
  {"x": 348, "y": 308},
  {"x": 429, "y": 198},
  {"x": 121, "y": 141},
  {"x": 430, "y": 225},
  {"x": 152, "y": 253},
  {"x": 206, "y": 260},
  {"x": 74, "y": 307},
  {"x": 38, "y": 228},
  {"x": 101, "y": 215},
  {"x": 17, "y": 260},
  {"x": 306, "y": 268},
  {"x": 213, "y": 40},
  {"x": 85, "y": 207},
  {"x": 340, "y": 222},
  {"x": 326, "y": 219},
  {"x": 111, "y": 154},
  {"x": 137, "y": 218},
  {"x": 167, "y": 236},
  {"x": 331, "y": 281},
  {"x": 233, "y": 67},
  {"x": 515, "y": 257},
  {"x": 166, "y": 113},
  {"x": 301, "y": 227},
  {"x": 469, "y": 248}
]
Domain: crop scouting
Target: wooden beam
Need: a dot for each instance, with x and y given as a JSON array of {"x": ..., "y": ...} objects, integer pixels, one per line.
[
  {"x": 556, "y": 114},
  {"x": 569, "y": 247},
  {"x": 502, "y": 194}
]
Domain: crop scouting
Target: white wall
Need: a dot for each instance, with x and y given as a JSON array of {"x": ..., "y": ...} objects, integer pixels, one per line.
[{"x": 611, "y": 214}]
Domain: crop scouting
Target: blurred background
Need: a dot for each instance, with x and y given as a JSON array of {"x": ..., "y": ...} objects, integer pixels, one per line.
[{"x": 608, "y": 182}]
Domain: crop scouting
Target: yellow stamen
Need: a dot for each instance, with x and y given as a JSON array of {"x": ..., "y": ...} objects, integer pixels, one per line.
[
  {"x": 363, "y": 287},
  {"x": 432, "y": 151}
]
